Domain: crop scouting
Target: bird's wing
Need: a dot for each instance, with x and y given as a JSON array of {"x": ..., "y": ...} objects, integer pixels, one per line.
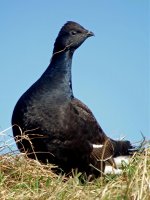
[
  {"x": 102, "y": 146},
  {"x": 118, "y": 148},
  {"x": 85, "y": 114}
]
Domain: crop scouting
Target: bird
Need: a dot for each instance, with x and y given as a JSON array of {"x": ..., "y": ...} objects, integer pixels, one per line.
[{"x": 50, "y": 124}]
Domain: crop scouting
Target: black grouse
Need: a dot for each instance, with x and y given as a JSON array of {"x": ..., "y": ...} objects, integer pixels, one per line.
[{"x": 51, "y": 125}]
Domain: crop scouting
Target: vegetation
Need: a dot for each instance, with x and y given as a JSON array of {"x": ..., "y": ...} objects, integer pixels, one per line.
[{"x": 25, "y": 179}]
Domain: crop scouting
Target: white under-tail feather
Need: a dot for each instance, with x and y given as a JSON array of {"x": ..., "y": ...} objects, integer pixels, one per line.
[{"x": 118, "y": 161}]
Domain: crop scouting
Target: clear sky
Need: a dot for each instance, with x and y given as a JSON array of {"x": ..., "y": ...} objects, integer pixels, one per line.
[{"x": 110, "y": 71}]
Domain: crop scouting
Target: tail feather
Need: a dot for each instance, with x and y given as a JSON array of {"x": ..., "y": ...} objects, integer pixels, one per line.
[
  {"x": 125, "y": 148},
  {"x": 107, "y": 157},
  {"x": 122, "y": 148}
]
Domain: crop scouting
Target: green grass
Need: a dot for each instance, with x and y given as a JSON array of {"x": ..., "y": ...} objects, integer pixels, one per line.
[{"x": 25, "y": 179}]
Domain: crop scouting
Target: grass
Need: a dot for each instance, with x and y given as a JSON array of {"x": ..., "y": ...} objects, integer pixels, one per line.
[{"x": 25, "y": 179}]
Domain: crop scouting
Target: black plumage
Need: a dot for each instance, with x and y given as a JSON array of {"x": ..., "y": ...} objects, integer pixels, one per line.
[{"x": 50, "y": 124}]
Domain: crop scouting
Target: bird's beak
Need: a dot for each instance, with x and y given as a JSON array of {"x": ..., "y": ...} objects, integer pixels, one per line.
[{"x": 90, "y": 33}]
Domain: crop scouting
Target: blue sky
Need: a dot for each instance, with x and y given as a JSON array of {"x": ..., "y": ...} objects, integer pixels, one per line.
[{"x": 110, "y": 71}]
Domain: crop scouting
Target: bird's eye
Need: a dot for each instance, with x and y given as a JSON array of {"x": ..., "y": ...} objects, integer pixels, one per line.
[{"x": 73, "y": 32}]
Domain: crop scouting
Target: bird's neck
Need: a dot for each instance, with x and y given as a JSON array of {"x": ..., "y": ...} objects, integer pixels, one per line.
[{"x": 59, "y": 72}]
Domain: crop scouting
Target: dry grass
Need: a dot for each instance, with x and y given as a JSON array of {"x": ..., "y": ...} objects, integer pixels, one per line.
[{"x": 25, "y": 179}]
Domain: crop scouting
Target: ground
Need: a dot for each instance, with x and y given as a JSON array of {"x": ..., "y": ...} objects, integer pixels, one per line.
[{"x": 24, "y": 179}]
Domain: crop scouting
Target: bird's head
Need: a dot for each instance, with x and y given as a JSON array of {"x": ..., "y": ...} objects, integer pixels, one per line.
[{"x": 71, "y": 36}]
